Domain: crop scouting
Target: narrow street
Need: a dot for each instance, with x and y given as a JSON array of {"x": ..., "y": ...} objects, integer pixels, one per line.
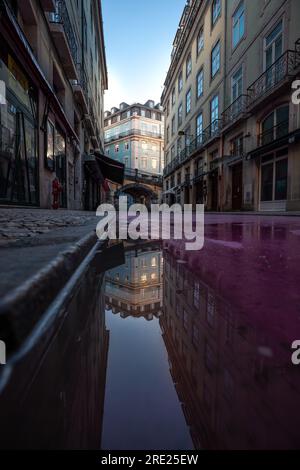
[
  {"x": 149, "y": 230},
  {"x": 187, "y": 345}
]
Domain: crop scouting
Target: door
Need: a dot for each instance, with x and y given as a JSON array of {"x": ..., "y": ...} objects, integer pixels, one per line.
[{"x": 237, "y": 187}]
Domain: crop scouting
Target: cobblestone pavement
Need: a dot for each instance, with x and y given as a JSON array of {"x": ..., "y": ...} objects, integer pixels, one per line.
[{"x": 19, "y": 224}]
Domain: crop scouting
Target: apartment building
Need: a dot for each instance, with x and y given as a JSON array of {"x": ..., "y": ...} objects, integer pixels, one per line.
[
  {"x": 134, "y": 136},
  {"x": 53, "y": 67},
  {"x": 232, "y": 130}
]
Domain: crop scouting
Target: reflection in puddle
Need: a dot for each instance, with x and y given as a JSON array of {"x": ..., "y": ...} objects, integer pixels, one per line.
[{"x": 217, "y": 350}]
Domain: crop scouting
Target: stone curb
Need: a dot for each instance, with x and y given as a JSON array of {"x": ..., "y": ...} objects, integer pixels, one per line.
[{"x": 22, "y": 307}]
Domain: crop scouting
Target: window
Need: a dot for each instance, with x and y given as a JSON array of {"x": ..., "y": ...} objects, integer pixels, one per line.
[
  {"x": 188, "y": 101},
  {"x": 167, "y": 108},
  {"x": 173, "y": 125},
  {"x": 172, "y": 152},
  {"x": 215, "y": 60},
  {"x": 238, "y": 25},
  {"x": 154, "y": 163},
  {"x": 173, "y": 96},
  {"x": 237, "y": 85},
  {"x": 274, "y": 175},
  {"x": 144, "y": 163},
  {"x": 180, "y": 81},
  {"x": 273, "y": 46},
  {"x": 237, "y": 145},
  {"x": 275, "y": 125},
  {"x": 215, "y": 11},
  {"x": 126, "y": 161},
  {"x": 199, "y": 86},
  {"x": 200, "y": 41},
  {"x": 117, "y": 147},
  {"x": 188, "y": 65},
  {"x": 126, "y": 146},
  {"x": 168, "y": 134},
  {"x": 214, "y": 110},
  {"x": 180, "y": 115},
  {"x": 179, "y": 147},
  {"x": 154, "y": 262},
  {"x": 199, "y": 128}
]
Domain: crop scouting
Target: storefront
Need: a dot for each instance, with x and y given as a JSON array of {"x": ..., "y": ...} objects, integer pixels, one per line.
[
  {"x": 18, "y": 134},
  {"x": 274, "y": 180}
]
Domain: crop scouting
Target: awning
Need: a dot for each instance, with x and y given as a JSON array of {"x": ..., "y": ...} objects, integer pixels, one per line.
[
  {"x": 112, "y": 170},
  {"x": 93, "y": 169}
]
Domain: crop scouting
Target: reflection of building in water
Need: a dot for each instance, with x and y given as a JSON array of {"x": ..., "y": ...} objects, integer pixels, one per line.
[
  {"x": 236, "y": 382},
  {"x": 136, "y": 287},
  {"x": 54, "y": 397}
]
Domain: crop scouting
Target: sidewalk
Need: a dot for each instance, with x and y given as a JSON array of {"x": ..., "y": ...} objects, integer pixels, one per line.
[{"x": 32, "y": 238}]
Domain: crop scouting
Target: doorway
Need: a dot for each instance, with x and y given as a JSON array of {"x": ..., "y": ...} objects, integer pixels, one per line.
[{"x": 237, "y": 187}]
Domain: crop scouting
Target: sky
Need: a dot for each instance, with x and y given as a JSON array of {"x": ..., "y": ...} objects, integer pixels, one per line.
[{"x": 138, "y": 37}]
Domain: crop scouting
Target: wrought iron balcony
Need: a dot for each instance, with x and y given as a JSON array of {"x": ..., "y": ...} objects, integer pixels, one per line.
[
  {"x": 213, "y": 131},
  {"x": 274, "y": 133},
  {"x": 235, "y": 111},
  {"x": 130, "y": 132},
  {"x": 64, "y": 38},
  {"x": 143, "y": 176},
  {"x": 280, "y": 73}
]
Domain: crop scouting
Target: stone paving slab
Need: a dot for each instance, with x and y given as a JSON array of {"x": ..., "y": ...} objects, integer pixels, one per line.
[{"x": 20, "y": 224}]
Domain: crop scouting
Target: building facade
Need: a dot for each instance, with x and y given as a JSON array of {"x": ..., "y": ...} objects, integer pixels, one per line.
[
  {"x": 232, "y": 130},
  {"x": 53, "y": 68},
  {"x": 134, "y": 135}
]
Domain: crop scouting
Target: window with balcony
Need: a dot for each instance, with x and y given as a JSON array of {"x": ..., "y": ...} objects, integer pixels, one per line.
[
  {"x": 188, "y": 65},
  {"x": 214, "y": 112},
  {"x": 199, "y": 84},
  {"x": 180, "y": 81},
  {"x": 238, "y": 25},
  {"x": 180, "y": 115},
  {"x": 273, "y": 45},
  {"x": 200, "y": 41},
  {"x": 215, "y": 11},
  {"x": 199, "y": 128},
  {"x": 237, "y": 84},
  {"x": 215, "y": 59},
  {"x": 188, "y": 101}
]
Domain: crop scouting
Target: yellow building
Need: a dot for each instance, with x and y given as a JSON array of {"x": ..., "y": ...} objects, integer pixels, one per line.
[{"x": 232, "y": 131}]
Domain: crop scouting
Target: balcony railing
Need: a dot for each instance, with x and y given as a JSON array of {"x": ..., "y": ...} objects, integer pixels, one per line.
[
  {"x": 131, "y": 132},
  {"x": 275, "y": 75},
  {"x": 271, "y": 135},
  {"x": 236, "y": 110},
  {"x": 143, "y": 176},
  {"x": 61, "y": 16}
]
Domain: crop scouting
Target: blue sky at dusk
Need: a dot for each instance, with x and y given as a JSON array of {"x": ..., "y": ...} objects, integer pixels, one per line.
[{"x": 138, "y": 39}]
